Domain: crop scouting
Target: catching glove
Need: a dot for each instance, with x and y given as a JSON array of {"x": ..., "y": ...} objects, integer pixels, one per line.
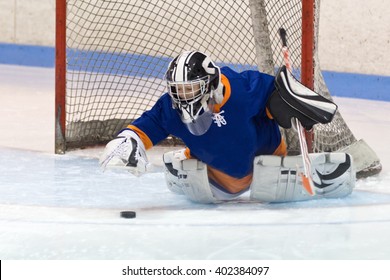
[{"x": 126, "y": 150}]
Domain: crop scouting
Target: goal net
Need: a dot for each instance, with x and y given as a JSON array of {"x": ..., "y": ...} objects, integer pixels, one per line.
[{"x": 112, "y": 56}]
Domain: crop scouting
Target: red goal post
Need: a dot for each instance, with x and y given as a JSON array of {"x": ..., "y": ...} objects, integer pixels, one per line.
[
  {"x": 60, "y": 77},
  {"x": 111, "y": 56}
]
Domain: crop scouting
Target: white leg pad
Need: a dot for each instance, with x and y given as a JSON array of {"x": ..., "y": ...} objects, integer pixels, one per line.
[
  {"x": 276, "y": 179},
  {"x": 333, "y": 174},
  {"x": 189, "y": 177}
]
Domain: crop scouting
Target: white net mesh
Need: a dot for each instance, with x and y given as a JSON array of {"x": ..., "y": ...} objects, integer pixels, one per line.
[{"x": 118, "y": 51}]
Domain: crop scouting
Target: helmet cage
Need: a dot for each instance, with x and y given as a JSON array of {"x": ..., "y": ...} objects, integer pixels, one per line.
[
  {"x": 188, "y": 92},
  {"x": 190, "y": 97}
]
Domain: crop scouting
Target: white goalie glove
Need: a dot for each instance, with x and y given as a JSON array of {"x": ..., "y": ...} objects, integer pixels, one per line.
[{"x": 126, "y": 151}]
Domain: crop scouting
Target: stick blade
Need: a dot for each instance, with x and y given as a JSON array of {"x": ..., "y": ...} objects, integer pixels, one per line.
[{"x": 308, "y": 185}]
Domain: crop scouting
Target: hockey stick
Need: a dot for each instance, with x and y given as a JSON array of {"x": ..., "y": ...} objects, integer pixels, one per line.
[{"x": 306, "y": 176}]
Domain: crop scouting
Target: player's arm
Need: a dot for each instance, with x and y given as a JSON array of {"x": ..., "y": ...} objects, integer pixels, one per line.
[{"x": 291, "y": 100}]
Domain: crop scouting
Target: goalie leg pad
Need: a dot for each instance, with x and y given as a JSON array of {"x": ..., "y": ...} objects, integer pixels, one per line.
[
  {"x": 188, "y": 177},
  {"x": 291, "y": 100},
  {"x": 277, "y": 179},
  {"x": 334, "y": 174}
]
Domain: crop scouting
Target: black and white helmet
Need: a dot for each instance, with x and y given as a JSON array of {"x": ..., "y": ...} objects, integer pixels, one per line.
[{"x": 193, "y": 82}]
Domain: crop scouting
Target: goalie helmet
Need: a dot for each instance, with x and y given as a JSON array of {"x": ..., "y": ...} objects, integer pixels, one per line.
[{"x": 194, "y": 85}]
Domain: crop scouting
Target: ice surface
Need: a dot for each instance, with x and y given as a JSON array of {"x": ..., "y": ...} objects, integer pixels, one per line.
[{"x": 65, "y": 207}]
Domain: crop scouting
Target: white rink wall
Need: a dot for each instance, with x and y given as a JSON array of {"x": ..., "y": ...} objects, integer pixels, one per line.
[
  {"x": 27, "y": 22},
  {"x": 353, "y": 34}
]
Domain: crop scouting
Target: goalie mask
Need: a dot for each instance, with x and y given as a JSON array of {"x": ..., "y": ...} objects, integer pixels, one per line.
[{"x": 194, "y": 85}]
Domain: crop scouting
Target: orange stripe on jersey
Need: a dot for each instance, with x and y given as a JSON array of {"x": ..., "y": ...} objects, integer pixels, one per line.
[
  {"x": 187, "y": 153},
  {"x": 281, "y": 150},
  {"x": 235, "y": 185},
  {"x": 144, "y": 138},
  {"x": 226, "y": 95},
  {"x": 231, "y": 184},
  {"x": 269, "y": 115}
]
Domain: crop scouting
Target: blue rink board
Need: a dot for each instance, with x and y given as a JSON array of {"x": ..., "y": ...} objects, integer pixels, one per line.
[{"x": 352, "y": 85}]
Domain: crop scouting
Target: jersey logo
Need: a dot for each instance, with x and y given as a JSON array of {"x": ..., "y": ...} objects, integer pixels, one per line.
[{"x": 219, "y": 119}]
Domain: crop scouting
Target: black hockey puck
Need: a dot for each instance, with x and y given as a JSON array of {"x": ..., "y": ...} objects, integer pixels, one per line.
[{"x": 128, "y": 214}]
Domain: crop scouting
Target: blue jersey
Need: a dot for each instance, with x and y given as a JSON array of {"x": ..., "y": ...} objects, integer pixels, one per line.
[{"x": 231, "y": 145}]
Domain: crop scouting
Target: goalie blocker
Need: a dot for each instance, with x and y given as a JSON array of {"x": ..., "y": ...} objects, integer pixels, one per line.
[{"x": 291, "y": 100}]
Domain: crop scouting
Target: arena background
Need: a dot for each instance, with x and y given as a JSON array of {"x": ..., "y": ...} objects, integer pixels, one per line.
[{"x": 353, "y": 41}]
